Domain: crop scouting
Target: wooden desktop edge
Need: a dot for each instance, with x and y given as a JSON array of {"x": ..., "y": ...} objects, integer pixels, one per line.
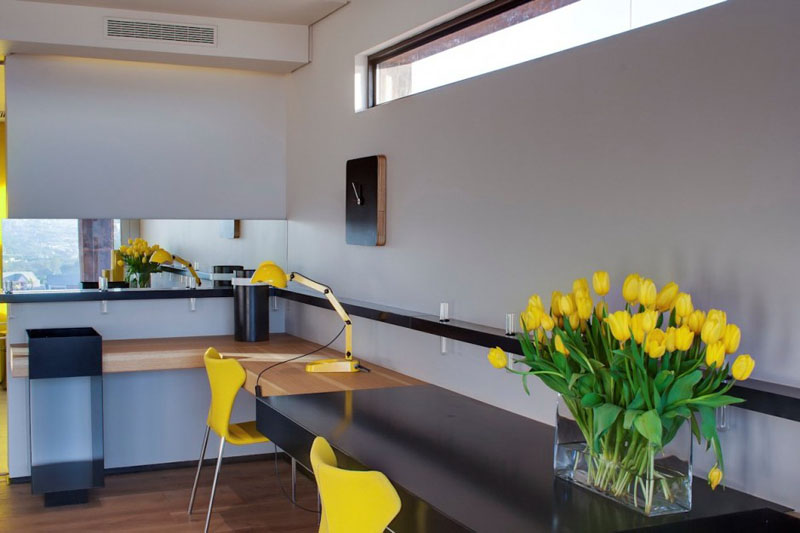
[{"x": 179, "y": 353}]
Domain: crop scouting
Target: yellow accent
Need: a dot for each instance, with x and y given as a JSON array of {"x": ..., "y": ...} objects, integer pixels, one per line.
[
  {"x": 161, "y": 256},
  {"x": 352, "y": 501},
  {"x": 117, "y": 269},
  {"x": 226, "y": 377},
  {"x": 270, "y": 273},
  {"x": 332, "y": 365},
  {"x": 3, "y": 191}
]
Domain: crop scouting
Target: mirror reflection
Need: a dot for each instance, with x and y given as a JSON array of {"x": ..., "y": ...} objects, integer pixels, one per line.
[{"x": 66, "y": 254}]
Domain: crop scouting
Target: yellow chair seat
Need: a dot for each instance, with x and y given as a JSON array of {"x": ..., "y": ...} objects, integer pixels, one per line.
[{"x": 245, "y": 433}]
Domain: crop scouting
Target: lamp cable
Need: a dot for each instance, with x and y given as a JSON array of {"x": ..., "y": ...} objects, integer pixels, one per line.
[{"x": 258, "y": 378}]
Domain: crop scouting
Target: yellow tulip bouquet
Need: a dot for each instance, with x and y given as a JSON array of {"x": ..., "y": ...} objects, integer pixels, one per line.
[
  {"x": 632, "y": 378},
  {"x": 136, "y": 260}
]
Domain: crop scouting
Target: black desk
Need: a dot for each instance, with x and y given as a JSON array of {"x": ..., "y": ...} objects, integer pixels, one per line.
[{"x": 461, "y": 464}]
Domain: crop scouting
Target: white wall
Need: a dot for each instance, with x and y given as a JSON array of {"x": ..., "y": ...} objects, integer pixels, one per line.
[
  {"x": 669, "y": 150},
  {"x": 149, "y": 417},
  {"x": 200, "y": 241},
  {"x": 94, "y": 138}
]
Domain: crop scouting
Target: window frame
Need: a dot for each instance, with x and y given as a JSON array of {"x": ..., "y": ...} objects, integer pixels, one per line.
[{"x": 449, "y": 27}]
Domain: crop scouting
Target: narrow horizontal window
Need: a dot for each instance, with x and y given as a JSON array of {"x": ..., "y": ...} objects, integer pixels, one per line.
[{"x": 504, "y": 33}]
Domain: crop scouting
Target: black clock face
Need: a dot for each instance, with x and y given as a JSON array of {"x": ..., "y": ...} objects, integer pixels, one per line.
[{"x": 364, "y": 199}]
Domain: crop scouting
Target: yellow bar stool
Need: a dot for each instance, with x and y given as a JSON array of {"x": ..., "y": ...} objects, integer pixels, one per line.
[
  {"x": 226, "y": 377},
  {"x": 352, "y": 501}
]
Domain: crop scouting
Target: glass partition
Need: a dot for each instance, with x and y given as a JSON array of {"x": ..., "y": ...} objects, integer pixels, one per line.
[{"x": 58, "y": 254}]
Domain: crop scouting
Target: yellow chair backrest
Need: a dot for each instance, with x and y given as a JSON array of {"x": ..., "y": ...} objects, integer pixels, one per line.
[
  {"x": 352, "y": 502},
  {"x": 226, "y": 377}
]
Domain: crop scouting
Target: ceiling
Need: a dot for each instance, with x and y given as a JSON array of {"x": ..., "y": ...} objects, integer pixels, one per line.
[{"x": 280, "y": 11}]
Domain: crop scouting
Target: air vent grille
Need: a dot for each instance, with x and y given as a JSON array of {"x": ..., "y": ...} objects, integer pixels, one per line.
[{"x": 161, "y": 31}]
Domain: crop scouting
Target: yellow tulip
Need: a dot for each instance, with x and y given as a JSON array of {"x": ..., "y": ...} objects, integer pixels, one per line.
[
  {"x": 532, "y": 318},
  {"x": 574, "y": 321},
  {"x": 665, "y": 299},
  {"x": 732, "y": 337},
  {"x": 565, "y": 305},
  {"x": 647, "y": 293},
  {"x": 742, "y": 367},
  {"x": 714, "y": 477},
  {"x": 560, "y": 345},
  {"x": 649, "y": 320},
  {"x": 656, "y": 344},
  {"x": 120, "y": 262},
  {"x": 670, "y": 339},
  {"x": 130, "y": 241},
  {"x": 712, "y": 330},
  {"x": 497, "y": 357},
  {"x": 555, "y": 303},
  {"x": 601, "y": 282},
  {"x": 585, "y": 306},
  {"x": 630, "y": 288},
  {"x": 715, "y": 354},
  {"x": 719, "y": 316},
  {"x": 683, "y": 305},
  {"x": 533, "y": 302},
  {"x": 695, "y": 320},
  {"x": 638, "y": 328},
  {"x": 580, "y": 284},
  {"x": 620, "y": 324},
  {"x": 601, "y": 310},
  {"x": 684, "y": 337},
  {"x": 547, "y": 322}
]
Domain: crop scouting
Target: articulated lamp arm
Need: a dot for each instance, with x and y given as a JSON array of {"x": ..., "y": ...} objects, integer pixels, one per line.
[
  {"x": 189, "y": 267},
  {"x": 324, "y": 289}
]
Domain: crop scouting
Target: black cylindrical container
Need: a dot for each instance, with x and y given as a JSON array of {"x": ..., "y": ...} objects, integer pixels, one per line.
[
  {"x": 225, "y": 269},
  {"x": 250, "y": 310}
]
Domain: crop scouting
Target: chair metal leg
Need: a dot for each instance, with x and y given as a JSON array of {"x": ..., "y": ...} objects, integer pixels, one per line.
[
  {"x": 199, "y": 466},
  {"x": 214, "y": 485},
  {"x": 294, "y": 480}
]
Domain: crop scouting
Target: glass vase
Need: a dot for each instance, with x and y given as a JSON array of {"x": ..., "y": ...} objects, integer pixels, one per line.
[{"x": 621, "y": 465}]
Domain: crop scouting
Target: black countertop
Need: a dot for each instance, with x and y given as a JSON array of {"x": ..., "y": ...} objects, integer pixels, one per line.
[
  {"x": 87, "y": 295},
  {"x": 484, "y": 468}
]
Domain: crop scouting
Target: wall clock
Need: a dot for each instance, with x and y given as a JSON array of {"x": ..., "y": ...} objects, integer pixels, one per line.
[{"x": 365, "y": 201}]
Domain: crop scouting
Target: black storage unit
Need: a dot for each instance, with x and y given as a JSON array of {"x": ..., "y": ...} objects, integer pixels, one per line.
[
  {"x": 65, "y": 400},
  {"x": 250, "y": 310},
  {"x": 225, "y": 269}
]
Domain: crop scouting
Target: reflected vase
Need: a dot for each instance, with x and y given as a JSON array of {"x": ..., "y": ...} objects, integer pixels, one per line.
[{"x": 621, "y": 465}]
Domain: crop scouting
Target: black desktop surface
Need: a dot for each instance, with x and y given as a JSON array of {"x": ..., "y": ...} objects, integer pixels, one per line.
[{"x": 461, "y": 464}]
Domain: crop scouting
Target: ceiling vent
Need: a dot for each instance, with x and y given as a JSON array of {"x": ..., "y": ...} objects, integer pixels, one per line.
[{"x": 144, "y": 30}]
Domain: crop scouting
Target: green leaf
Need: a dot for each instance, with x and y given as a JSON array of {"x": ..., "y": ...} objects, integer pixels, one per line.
[
  {"x": 630, "y": 416},
  {"x": 708, "y": 422},
  {"x": 695, "y": 428},
  {"x": 649, "y": 426},
  {"x": 638, "y": 401},
  {"x": 663, "y": 380},
  {"x": 574, "y": 378},
  {"x": 525, "y": 384},
  {"x": 604, "y": 416},
  {"x": 682, "y": 389},
  {"x": 591, "y": 400},
  {"x": 681, "y": 411},
  {"x": 715, "y": 401}
]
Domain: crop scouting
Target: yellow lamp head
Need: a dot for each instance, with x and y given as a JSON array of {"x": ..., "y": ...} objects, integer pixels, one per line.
[
  {"x": 271, "y": 274},
  {"x": 161, "y": 256}
]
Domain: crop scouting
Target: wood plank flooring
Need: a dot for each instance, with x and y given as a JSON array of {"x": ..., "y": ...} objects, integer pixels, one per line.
[{"x": 248, "y": 499}]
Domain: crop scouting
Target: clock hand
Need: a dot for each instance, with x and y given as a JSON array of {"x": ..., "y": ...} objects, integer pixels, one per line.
[{"x": 355, "y": 191}]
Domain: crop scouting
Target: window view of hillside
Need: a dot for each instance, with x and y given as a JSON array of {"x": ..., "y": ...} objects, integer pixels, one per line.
[{"x": 40, "y": 254}]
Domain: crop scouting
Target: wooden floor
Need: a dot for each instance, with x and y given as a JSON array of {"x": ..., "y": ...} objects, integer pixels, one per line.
[{"x": 248, "y": 499}]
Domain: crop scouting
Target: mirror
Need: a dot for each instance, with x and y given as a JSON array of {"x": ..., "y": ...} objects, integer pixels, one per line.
[{"x": 59, "y": 254}]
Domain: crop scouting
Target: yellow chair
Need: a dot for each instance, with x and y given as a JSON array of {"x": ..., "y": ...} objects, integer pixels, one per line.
[
  {"x": 226, "y": 377},
  {"x": 352, "y": 501}
]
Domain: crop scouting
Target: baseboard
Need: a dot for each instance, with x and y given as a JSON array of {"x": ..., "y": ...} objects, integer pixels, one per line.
[{"x": 173, "y": 465}]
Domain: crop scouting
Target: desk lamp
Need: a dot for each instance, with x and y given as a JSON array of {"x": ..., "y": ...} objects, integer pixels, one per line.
[
  {"x": 271, "y": 274},
  {"x": 162, "y": 256}
]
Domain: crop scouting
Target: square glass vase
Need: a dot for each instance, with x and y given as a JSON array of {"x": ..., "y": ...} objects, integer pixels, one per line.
[{"x": 622, "y": 465}]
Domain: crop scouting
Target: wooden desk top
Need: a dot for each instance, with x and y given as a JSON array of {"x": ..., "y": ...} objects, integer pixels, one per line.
[{"x": 176, "y": 353}]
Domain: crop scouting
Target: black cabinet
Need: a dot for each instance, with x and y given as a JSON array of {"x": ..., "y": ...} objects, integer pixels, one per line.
[{"x": 65, "y": 398}]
